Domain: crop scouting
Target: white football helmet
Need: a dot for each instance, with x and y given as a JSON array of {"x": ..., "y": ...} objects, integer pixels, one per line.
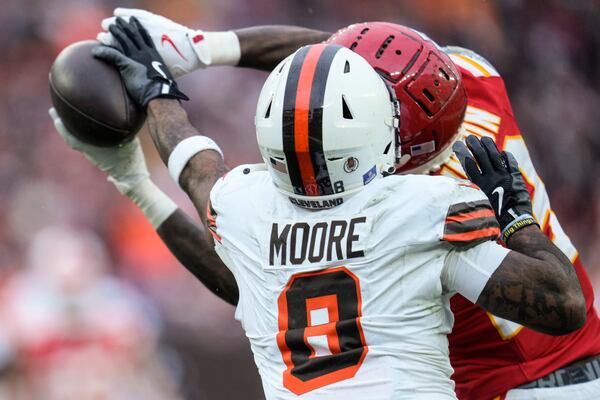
[{"x": 326, "y": 125}]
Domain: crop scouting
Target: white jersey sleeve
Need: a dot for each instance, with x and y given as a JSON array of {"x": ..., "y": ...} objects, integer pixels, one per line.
[
  {"x": 233, "y": 203},
  {"x": 471, "y": 228}
]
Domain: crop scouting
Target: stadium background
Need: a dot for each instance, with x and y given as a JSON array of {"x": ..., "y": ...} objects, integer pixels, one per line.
[{"x": 177, "y": 337}]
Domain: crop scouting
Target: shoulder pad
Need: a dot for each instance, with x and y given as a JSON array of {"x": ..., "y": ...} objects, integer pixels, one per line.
[
  {"x": 246, "y": 169},
  {"x": 234, "y": 180},
  {"x": 471, "y": 61}
]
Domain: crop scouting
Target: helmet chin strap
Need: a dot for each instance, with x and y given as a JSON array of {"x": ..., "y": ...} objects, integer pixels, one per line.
[
  {"x": 394, "y": 122},
  {"x": 403, "y": 160}
]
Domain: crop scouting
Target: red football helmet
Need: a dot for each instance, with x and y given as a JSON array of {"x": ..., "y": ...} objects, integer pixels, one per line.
[{"x": 427, "y": 83}]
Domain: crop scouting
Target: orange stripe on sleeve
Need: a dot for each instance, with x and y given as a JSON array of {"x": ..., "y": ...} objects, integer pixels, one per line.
[
  {"x": 470, "y": 215},
  {"x": 469, "y": 185},
  {"x": 215, "y": 236},
  {"x": 472, "y": 235},
  {"x": 212, "y": 222}
]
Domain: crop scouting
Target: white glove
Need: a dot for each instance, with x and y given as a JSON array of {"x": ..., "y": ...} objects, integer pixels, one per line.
[
  {"x": 127, "y": 170},
  {"x": 182, "y": 49},
  {"x": 125, "y": 165}
]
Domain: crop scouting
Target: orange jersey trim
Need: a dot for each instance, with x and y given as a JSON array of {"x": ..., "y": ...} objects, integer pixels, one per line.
[
  {"x": 212, "y": 222},
  {"x": 468, "y": 236},
  {"x": 470, "y": 215}
]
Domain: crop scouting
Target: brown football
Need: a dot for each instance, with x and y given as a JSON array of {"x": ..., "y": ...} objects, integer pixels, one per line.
[{"x": 90, "y": 97}]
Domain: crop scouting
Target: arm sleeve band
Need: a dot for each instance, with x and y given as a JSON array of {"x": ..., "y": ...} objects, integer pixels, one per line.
[
  {"x": 216, "y": 48},
  {"x": 185, "y": 150},
  {"x": 467, "y": 272}
]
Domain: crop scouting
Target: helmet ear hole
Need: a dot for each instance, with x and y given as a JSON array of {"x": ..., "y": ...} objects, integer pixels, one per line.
[
  {"x": 347, "y": 114},
  {"x": 268, "y": 112},
  {"x": 387, "y": 148},
  {"x": 347, "y": 67},
  {"x": 444, "y": 74},
  {"x": 428, "y": 94}
]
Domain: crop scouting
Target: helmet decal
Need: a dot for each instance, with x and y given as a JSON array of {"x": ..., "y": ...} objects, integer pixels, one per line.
[
  {"x": 351, "y": 164},
  {"x": 303, "y": 120}
]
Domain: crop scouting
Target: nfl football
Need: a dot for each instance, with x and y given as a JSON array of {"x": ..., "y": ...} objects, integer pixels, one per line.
[{"x": 90, "y": 97}]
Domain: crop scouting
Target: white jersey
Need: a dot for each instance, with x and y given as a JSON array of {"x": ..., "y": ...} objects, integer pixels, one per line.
[{"x": 352, "y": 302}]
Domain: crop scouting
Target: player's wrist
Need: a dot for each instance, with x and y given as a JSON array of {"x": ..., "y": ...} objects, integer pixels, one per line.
[
  {"x": 509, "y": 228},
  {"x": 161, "y": 89},
  {"x": 153, "y": 202},
  {"x": 215, "y": 48}
]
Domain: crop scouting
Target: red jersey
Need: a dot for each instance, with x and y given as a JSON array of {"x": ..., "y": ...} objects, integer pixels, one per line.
[{"x": 491, "y": 355}]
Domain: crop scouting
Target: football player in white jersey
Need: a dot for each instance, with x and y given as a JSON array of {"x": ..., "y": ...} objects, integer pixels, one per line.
[
  {"x": 344, "y": 277},
  {"x": 490, "y": 355}
]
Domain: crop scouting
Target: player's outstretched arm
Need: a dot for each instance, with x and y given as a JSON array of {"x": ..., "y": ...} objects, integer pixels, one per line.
[
  {"x": 196, "y": 165},
  {"x": 126, "y": 169},
  {"x": 148, "y": 81},
  {"x": 263, "y": 47},
  {"x": 185, "y": 50},
  {"x": 187, "y": 242},
  {"x": 536, "y": 284},
  {"x": 194, "y": 161}
]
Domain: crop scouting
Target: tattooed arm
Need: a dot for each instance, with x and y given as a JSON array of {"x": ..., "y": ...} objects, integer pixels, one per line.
[
  {"x": 260, "y": 47},
  {"x": 536, "y": 285},
  {"x": 263, "y": 47},
  {"x": 168, "y": 124}
]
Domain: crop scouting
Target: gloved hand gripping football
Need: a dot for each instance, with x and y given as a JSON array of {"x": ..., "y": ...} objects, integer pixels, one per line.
[
  {"x": 142, "y": 68},
  {"x": 126, "y": 168},
  {"x": 125, "y": 165},
  {"x": 498, "y": 176}
]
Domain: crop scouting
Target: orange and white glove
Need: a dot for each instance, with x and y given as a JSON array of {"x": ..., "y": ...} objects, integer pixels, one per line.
[{"x": 183, "y": 49}]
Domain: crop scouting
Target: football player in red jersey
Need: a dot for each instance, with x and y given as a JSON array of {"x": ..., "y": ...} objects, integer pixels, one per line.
[
  {"x": 445, "y": 94},
  {"x": 490, "y": 355}
]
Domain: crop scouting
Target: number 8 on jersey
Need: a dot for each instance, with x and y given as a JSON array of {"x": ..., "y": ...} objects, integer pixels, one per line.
[{"x": 320, "y": 336}]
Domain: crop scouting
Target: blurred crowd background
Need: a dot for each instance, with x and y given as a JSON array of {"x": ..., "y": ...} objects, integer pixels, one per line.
[{"x": 92, "y": 306}]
